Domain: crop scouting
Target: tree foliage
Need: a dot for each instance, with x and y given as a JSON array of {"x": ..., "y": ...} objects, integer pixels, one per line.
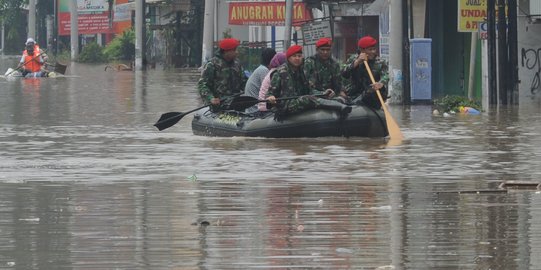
[
  {"x": 91, "y": 53},
  {"x": 122, "y": 47},
  {"x": 453, "y": 103},
  {"x": 15, "y": 22},
  {"x": 10, "y": 9},
  {"x": 12, "y": 16}
]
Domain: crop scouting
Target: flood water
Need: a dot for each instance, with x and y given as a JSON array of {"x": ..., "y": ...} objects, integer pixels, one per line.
[{"x": 86, "y": 182}]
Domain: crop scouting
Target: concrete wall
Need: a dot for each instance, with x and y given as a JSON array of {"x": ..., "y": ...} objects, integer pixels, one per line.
[
  {"x": 529, "y": 46},
  {"x": 240, "y": 32}
]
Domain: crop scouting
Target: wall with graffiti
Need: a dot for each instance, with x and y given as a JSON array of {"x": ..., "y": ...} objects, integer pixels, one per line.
[{"x": 529, "y": 45}]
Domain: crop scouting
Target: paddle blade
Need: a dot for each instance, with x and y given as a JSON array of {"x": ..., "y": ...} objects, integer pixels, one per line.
[
  {"x": 392, "y": 126},
  {"x": 241, "y": 103},
  {"x": 168, "y": 119},
  {"x": 60, "y": 68},
  {"x": 9, "y": 71}
]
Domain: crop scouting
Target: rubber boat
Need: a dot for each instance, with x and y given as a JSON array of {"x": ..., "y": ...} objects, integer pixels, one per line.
[
  {"x": 11, "y": 73},
  {"x": 58, "y": 71},
  {"x": 361, "y": 122}
]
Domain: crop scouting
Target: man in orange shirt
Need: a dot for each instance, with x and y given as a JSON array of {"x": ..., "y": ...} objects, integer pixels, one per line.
[{"x": 33, "y": 60}]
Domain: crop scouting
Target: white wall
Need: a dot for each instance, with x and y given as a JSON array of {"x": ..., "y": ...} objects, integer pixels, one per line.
[
  {"x": 240, "y": 32},
  {"x": 529, "y": 57}
]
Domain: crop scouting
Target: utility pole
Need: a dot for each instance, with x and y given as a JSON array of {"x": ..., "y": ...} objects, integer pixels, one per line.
[
  {"x": 50, "y": 31},
  {"x": 3, "y": 40},
  {"x": 289, "y": 24},
  {"x": 55, "y": 27},
  {"x": 139, "y": 18},
  {"x": 395, "y": 51},
  {"x": 473, "y": 57},
  {"x": 208, "y": 32},
  {"x": 32, "y": 19},
  {"x": 513, "y": 52},
  {"x": 491, "y": 51},
  {"x": 503, "y": 58},
  {"x": 74, "y": 30},
  {"x": 406, "y": 25}
]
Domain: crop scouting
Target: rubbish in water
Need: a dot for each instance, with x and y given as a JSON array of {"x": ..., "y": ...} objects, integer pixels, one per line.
[{"x": 468, "y": 110}]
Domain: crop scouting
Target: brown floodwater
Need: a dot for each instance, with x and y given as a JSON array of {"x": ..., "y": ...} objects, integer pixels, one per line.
[{"x": 87, "y": 182}]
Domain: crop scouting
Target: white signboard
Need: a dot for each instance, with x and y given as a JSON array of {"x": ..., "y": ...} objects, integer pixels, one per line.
[
  {"x": 123, "y": 12},
  {"x": 313, "y": 31},
  {"x": 92, "y": 5},
  {"x": 483, "y": 33}
]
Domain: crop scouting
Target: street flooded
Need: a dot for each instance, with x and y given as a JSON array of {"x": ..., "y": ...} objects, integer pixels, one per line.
[{"x": 87, "y": 182}]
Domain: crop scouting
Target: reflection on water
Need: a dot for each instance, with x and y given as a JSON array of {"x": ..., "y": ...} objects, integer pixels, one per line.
[{"x": 86, "y": 181}]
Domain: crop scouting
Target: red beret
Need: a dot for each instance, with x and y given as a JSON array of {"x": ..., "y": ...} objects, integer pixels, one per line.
[
  {"x": 323, "y": 42},
  {"x": 367, "y": 42},
  {"x": 229, "y": 44},
  {"x": 293, "y": 50}
]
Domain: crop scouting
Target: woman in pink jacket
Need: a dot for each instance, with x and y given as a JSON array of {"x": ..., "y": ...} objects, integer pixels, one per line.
[{"x": 276, "y": 61}]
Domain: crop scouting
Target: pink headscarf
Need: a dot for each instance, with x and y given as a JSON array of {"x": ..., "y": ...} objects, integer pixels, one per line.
[{"x": 278, "y": 60}]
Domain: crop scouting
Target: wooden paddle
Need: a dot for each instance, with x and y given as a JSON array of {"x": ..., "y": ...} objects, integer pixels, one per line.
[
  {"x": 169, "y": 119},
  {"x": 392, "y": 126}
]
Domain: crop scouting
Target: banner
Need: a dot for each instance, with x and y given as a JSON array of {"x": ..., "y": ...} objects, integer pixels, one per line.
[
  {"x": 93, "y": 17},
  {"x": 122, "y": 12},
  {"x": 122, "y": 15},
  {"x": 470, "y": 13},
  {"x": 92, "y": 6},
  {"x": 266, "y": 13}
]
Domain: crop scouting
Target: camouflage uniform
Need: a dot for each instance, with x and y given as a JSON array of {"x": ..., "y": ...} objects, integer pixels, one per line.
[
  {"x": 323, "y": 75},
  {"x": 221, "y": 79},
  {"x": 287, "y": 82},
  {"x": 358, "y": 81}
]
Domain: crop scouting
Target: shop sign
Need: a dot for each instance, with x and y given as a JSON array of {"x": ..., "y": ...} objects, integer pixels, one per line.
[
  {"x": 470, "y": 13},
  {"x": 266, "y": 13}
]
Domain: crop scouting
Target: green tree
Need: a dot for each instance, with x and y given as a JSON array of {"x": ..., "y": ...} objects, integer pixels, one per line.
[
  {"x": 11, "y": 11},
  {"x": 91, "y": 53},
  {"x": 454, "y": 102},
  {"x": 122, "y": 47},
  {"x": 15, "y": 22}
]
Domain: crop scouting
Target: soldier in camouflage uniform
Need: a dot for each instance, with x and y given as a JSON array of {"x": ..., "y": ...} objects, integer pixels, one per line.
[
  {"x": 359, "y": 86},
  {"x": 289, "y": 81},
  {"x": 222, "y": 76},
  {"x": 323, "y": 71}
]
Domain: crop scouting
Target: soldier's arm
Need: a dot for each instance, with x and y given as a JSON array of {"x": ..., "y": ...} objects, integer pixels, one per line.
[
  {"x": 337, "y": 79},
  {"x": 384, "y": 73},
  {"x": 310, "y": 73},
  {"x": 347, "y": 69},
  {"x": 205, "y": 85},
  {"x": 309, "y": 69},
  {"x": 275, "y": 88},
  {"x": 243, "y": 80}
]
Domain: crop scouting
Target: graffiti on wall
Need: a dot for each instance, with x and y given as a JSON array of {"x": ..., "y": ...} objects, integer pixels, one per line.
[{"x": 531, "y": 61}]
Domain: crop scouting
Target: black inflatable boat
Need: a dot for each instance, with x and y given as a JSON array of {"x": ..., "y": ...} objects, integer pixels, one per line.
[{"x": 361, "y": 122}]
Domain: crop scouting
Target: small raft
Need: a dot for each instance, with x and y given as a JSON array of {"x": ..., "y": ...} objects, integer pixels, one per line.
[
  {"x": 361, "y": 122},
  {"x": 58, "y": 71}
]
